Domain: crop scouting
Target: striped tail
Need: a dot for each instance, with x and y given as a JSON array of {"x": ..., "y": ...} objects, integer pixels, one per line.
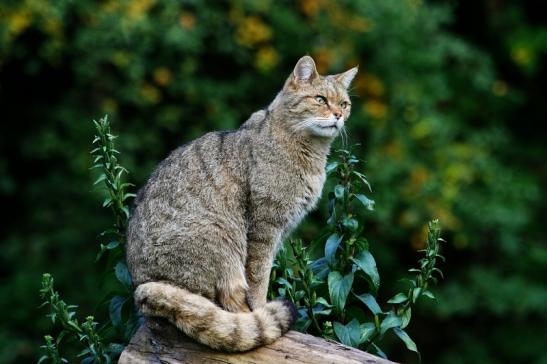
[{"x": 209, "y": 324}]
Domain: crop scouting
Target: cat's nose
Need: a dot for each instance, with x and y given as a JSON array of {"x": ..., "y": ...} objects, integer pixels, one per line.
[{"x": 337, "y": 114}]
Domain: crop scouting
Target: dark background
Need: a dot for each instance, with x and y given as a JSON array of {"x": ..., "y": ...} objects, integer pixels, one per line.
[{"x": 448, "y": 108}]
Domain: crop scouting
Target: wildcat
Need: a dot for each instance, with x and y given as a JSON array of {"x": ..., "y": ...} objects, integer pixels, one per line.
[{"x": 207, "y": 225}]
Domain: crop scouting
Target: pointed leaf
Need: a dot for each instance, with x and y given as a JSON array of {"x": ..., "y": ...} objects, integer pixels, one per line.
[
  {"x": 339, "y": 288},
  {"x": 410, "y": 345},
  {"x": 365, "y": 261},
  {"x": 332, "y": 244},
  {"x": 367, "y": 202},
  {"x": 115, "y": 309},
  {"x": 370, "y": 302},
  {"x": 398, "y": 298},
  {"x": 367, "y": 330},
  {"x": 406, "y": 317},
  {"x": 349, "y": 334},
  {"x": 339, "y": 191},
  {"x": 122, "y": 274},
  {"x": 429, "y": 294},
  {"x": 390, "y": 321},
  {"x": 331, "y": 167}
]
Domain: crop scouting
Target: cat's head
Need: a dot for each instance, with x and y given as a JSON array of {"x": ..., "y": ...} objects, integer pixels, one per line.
[{"x": 315, "y": 105}]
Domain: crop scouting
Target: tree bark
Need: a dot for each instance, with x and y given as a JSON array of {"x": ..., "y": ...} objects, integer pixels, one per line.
[{"x": 159, "y": 342}]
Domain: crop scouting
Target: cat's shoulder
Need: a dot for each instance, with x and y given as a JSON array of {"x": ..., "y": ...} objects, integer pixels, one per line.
[{"x": 254, "y": 120}]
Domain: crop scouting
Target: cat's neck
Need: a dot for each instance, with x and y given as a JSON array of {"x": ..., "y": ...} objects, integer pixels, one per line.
[{"x": 307, "y": 151}]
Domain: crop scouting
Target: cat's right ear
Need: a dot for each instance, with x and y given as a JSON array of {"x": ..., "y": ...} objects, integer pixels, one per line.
[{"x": 304, "y": 71}]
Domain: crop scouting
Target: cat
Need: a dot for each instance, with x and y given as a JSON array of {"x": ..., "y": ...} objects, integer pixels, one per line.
[{"x": 206, "y": 226}]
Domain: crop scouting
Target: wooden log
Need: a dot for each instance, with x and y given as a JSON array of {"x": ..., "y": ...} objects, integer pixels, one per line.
[{"x": 159, "y": 342}]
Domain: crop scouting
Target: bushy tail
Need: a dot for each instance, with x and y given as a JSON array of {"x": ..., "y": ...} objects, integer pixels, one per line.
[{"x": 209, "y": 324}]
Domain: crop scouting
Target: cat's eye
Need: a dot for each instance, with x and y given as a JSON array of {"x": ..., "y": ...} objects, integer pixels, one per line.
[
  {"x": 321, "y": 99},
  {"x": 344, "y": 104}
]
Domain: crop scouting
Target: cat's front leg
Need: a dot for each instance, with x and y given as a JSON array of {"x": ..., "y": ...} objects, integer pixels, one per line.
[{"x": 260, "y": 255}]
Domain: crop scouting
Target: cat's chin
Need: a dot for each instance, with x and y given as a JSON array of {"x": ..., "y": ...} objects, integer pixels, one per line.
[{"x": 324, "y": 131}]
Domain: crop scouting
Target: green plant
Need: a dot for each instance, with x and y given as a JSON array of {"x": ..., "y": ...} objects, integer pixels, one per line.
[
  {"x": 85, "y": 333},
  {"x": 111, "y": 173},
  {"x": 123, "y": 323},
  {"x": 329, "y": 290}
]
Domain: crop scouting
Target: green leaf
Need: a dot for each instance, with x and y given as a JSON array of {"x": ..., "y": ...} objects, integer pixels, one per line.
[
  {"x": 429, "y": 294},
  {"x": 379, "y": 351},
  {"x": 370, "y": 302},
  {"x": 115, "y": 348},
  {"x": 112, "y": 245},
  {"x": 410, "y": 345},
  {"x": 350, "y": 223},
  {"x": 416, "y": 293},
  {"x": 101, "y": 178},
  {"x": 331, "y": 167},
  {"x": 367, "y": 331},
  {"x": 331, "y": 246},
  {"x": 128, "y": 195},
  {"x": 405, "y": 317},
  {"x": 122, "y": 274},
  {"x": 390, "y": 321},
  {"x": 363, "y": 179},
  {"x": 323, "y": 301},
  {"x": 367, "y": 202},
  {"x": 398, "y": 298},
  {"x": 365, "y": 261},
  {"x": 339, "y": 191},
  {"x": 339, "y": 288},
  {"x": 349, "y": 334},
  {"x": 115, "y": 309}
]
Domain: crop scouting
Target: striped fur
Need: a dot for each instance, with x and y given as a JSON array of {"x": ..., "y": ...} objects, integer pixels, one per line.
[
  {"x": 207, "y": 323},
  {"x": 209, "y": 220}
]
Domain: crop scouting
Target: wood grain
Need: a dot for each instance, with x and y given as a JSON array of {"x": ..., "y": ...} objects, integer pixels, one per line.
[{"x": 159, "y": 342}]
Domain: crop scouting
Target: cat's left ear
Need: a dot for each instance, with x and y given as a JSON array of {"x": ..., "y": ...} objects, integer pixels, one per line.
[
  {"x": 305, "y": 70},
  {"x": 346, "y": 77}
]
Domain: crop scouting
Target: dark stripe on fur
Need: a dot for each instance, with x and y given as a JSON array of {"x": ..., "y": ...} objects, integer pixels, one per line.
[{"x": 260, "y": 339}]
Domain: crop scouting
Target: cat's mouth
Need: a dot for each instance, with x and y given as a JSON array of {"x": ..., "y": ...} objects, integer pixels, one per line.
[{"x": 329, "y": 126}]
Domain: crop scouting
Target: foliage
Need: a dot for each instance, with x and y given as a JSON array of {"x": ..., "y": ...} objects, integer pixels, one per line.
[
  {"x": 111, "y": 172},
  {"x": 84, "y": 333},
  {"x": 448, "y": 105},
  {"x": 104, "y": 159},
  {"x": 329, "y": 290}
]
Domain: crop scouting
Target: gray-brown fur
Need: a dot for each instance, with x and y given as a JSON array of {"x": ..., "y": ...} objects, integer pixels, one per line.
[{"x": 207, "y": 225}]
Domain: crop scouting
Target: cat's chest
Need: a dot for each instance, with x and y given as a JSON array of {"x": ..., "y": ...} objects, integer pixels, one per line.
[{"x": 308, "y": 194}]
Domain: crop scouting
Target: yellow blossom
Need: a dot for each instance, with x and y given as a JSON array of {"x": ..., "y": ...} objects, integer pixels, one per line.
[
  {"x": 393, "y": 149},
  {"x": 109, "y": 106},
  {"x": 323, "y": 59},
  {"x": 418, "y": 177},
  {"x": 266, "y": 58},
  {"x": 376, "y": 108},
  {"x": 187, "y": 20},
  {"x": 162, "y": 76},
  {"x": 150, "y": 94},
  {"x": 310, "y": 7},
  {"x": 252, "y": 30},
  {"x": 120, "y": 58},
  {"x": 359, "y": 24},
  {"x": 418, "y": 239},
  {"x": 19, "y": 21},
  {"x": 372, "y": 85},
  {"x": 138, "y": 8},
  {"x": 522, "y": 55},
  {"x": 499, "y": 88}
]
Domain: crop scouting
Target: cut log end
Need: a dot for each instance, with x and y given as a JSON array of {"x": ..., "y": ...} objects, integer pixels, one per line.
[{"x": 159, "y": 342}]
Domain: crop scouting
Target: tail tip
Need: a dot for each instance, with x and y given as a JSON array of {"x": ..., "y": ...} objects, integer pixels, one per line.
[{"x": 291, "y": 309}]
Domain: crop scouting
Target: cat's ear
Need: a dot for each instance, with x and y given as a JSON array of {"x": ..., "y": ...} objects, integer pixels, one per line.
[
  {"x": 305, "y": 71},
  {"x": 346, "y": 77}
]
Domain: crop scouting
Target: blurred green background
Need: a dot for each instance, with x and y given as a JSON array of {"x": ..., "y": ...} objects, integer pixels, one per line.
[{"x": 448, "y": 107}]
